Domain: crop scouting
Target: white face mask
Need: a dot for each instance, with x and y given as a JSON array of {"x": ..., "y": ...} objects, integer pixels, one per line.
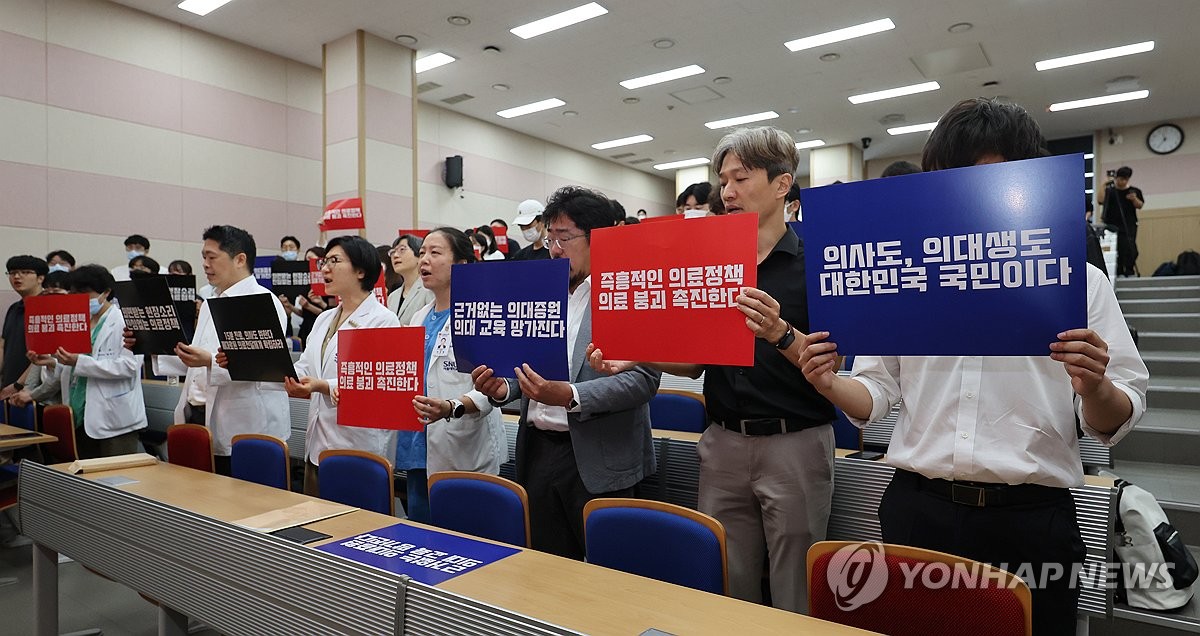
[
  {"x": 132, "y": 254},
  {"x": 57, "y": 267},
  {"x": 290, "y": 255},
  {"x": 532, "y": 234}
]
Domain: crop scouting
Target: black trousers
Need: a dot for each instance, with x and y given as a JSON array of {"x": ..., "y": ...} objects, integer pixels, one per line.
[
  {"x": 1127, "y": 252},
  {"x": 557, "y": 494},
  {"x": 1008, "y": 537}
]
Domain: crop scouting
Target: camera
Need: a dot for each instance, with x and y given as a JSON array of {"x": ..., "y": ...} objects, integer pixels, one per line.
[
  {"x": 866, "y": 142},
  {"x": 1110, "y": 173}
]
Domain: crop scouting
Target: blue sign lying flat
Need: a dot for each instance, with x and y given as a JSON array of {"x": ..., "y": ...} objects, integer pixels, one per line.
[
  {"x": 985, "y": 260},
  {"x": 428, "y": 556},
  {"x": 507, "y": 313}
]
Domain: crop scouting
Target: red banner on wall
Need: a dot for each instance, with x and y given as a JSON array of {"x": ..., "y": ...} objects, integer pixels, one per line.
[
  {"x": 58, "y": 320},
  {"x": 664, "y": 295},
  {"x": 380, "y": 371},
  {"x": 421, "y": 234},
  {"x": 343, "y": 214}
]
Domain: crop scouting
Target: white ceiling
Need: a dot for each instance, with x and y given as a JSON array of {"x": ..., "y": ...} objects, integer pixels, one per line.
[{"x": 743, "y": 40}]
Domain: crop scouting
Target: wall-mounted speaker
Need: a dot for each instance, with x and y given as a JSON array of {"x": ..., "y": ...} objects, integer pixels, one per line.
[{"x": 452, "y": 174}]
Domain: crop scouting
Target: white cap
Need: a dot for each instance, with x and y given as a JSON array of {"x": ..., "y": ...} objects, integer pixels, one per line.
[{"x": 527, "y": 211}]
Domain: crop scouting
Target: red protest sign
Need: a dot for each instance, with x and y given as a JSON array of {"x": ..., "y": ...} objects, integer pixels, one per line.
[
  {"x": 380, "y": 289},
  {"x": 380, "y": 371},
  {"x": 660, "y": 294},
  {"x": 343, "y": 214},
  {"x": 316, "y": 280},
  {"x": 421, "y": 234},
  {"x": 58, "y": 320},
  {"x": 501, "y": 233}
]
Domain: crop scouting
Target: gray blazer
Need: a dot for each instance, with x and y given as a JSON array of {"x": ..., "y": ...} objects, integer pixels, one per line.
[
  {"x": 611, "y": 433},
  {"x": 417, "y": 298}
]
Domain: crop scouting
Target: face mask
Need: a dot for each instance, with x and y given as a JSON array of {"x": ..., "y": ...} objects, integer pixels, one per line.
[
  {"x": 290, "y": 255},
  {"x": 695, "y": 214},
  {"x": 532, "y": 234},
  {"x": 132, "y": 254},
  {"x": 94, "y": 305},
  {"x": 59, "y": 268}
]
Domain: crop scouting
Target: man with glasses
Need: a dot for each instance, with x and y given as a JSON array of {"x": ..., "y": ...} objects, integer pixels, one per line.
[
  {"x": 533, "y": 229},
  {"x": 589, "y": 437},
  {"x": 25, "y": 275}
]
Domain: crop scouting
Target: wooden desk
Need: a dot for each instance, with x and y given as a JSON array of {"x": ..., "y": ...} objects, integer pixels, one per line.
[
  {"x": 574, "y": 596},
  {"x": 13, "y": 437}
]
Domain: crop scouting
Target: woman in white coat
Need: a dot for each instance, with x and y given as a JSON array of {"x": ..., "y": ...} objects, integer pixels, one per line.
[
  {"x": 463, "y": 431},
  {"x": 411, "y": 295},
  {"x": 351, "y": 268},
  {"x": 103, "y": 387}
]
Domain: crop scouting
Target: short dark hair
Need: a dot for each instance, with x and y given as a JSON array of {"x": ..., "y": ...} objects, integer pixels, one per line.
[
  {"x": 460, "y": 243},
  {"x": 761, "y": 147},
  {"x": 897, "y": 168},
  {"x": 363, "y": 257},
  {"x": 181, "y": 264},
  {"x": 587, "y": 209},
  {"x": 701, "y": 191},
  {"x": 137, "y": 239},
  {"x": 412, "y": 240},
  {"x": 632, "y": 220},
  {"x": 147, "y": 262},
  {"x": 31, "y": 263},
  {"x": 233, "y": 241},
  {"x": 499, "y": 222},
  {"x": 716, "y": 205},
  {"x": 290, "y": 238},
  {"x": 1124, "y": 172},
  {"x": 91, "y": 278},
  {"x": 975, "y": 128},
  {"x": 618, "y": 211},
  {"x": 62, "y": 254},
  {"x": 490, "y": 236},
  {"x": 57, "y": 280},
  {"x": 793, "y": 193},
  {"x": 316, "y": 249}
]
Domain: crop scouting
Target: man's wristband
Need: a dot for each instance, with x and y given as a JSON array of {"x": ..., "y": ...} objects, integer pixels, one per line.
[{"x": 787, "y": 339}]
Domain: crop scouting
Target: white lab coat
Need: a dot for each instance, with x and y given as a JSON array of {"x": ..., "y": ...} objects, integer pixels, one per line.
[
  {"x": 324, "y": 433},
  {"x": 114, "y": 389},
  {"x": 233, "y": 407},
  {"x": 475, "y": 442}
]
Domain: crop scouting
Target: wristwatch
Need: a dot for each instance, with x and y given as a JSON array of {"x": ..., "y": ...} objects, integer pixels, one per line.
[
  {"x": 457, "y": 410},
  {"x": 18, "y": 386},
  {"x": 787, "y": 339}
]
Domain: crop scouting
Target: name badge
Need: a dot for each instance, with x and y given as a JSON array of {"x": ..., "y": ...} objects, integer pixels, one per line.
[{"x": 443, "y": 345}]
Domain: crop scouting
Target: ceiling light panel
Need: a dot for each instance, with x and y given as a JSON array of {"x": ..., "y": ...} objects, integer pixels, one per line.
[
  {"x": 665, "y": 76},
  {"x": 559, "y": 20},
  {"x": 686, "y": 163},
  {"x": 202, "y": 7},
  {"x": 815, "y": 143},
  {"x": 744, "y": 119},
  {"x": 915, "y": 128},
  {"x": 627, "y": 141},
  {"x": 432, "y": 61},
  {"x": 894, "y": 92},
  {"x": 848, "y": 33},
  {"x": 1099, "y": 101},
  {"x": 545, "y": 104},
  {"x": 1095, "y": 56}
]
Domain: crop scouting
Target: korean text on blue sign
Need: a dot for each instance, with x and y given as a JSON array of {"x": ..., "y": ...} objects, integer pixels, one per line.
[
  {"x": 985, "y": 260},
  {"x": 508, "y": 313},
  {"x": 428, "y": 556}
]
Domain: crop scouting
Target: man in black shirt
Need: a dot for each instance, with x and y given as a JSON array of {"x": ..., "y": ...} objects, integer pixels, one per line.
[
  {"x": 766, "y": 460},
  {"x": 25, "y": 274},
  {"x": 1121, "y": 202}
]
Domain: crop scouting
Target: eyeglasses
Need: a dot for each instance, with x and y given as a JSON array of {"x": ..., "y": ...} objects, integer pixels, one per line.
[
  {"x": 332, "y": 260},
  {"x": 558, "y": 242},
  {"x": 399, "y": 248},
  {"x": 21, "y": 272}
]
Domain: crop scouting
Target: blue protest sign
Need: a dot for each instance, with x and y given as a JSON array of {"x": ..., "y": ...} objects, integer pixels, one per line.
[
  {"x": 428, "y": 556},
  {"x": 508, "y": 313},
  {"x": 985, "y": 260},
  {"x": 262, "y": 270}
]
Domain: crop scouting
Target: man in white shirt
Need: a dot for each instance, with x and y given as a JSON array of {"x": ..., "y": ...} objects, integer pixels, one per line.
[
  {"x": 209, "y": 396},
  {"x": 985, "y": 447}
]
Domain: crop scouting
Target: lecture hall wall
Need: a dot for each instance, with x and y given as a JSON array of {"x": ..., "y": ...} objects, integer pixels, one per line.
[{"x": 114, "y": 122}]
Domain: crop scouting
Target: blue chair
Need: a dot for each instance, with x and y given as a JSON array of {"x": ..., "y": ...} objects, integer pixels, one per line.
[
  {"x": 678, "y": 411},
  {"x": 357, "y": 478},
  {"x": 845, "y": 434},
  {"x": 657, "y": 540},
  {"x": 480, "y": 504},
  {"x": 23, "y": 416},
  {"x": 261, "y": 459}
]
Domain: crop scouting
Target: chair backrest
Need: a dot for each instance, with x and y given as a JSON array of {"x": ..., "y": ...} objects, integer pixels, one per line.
[
  {"x": 190, "y": 445},
  {"x": 845, "y": 434},
  {"x": 357, "y": 478},
  {"x": 672, "y": 410},
  {"x": 657, "y": 540},
  {"x": 59, "y": 421},
  {"x": 261, "y": 459},
  {"x": 23, "y": 416},
  {"x": 904, "y": 590},
  {"x": 480, "y": 504}
]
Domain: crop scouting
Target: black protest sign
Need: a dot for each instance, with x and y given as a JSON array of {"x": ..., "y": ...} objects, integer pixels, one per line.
[
  {"x": 249, "y": 331},
  {"x": 289, "y": 278},
  {"x": 149, "y": 311},
  {"x": 183, "y": 293}
]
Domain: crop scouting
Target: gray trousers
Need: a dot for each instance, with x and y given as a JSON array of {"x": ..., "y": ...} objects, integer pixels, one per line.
[{"x": 771, "y": 492}]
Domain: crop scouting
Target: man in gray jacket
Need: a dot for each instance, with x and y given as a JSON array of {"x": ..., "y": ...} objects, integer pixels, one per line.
[{"x": 589, "y": 437}]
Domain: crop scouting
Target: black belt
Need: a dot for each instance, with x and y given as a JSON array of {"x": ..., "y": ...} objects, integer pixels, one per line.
[
  {"x": 557, "y": 436},
  {"x": 764, "y": 425},
  {"x": 982, "y": 494}
]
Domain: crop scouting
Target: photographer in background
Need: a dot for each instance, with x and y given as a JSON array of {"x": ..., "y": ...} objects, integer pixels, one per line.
[{"x": 1121, "y": 202}]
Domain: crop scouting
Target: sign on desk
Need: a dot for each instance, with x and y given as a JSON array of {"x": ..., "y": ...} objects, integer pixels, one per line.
[{"x": 428, "y": 556}]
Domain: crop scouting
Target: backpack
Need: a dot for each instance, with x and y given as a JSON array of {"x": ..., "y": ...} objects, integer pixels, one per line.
[
  {"x": 1146, "y": 542},
  {"x": 1187, "y": 263},
  {"x": 1166, "y": 269}
]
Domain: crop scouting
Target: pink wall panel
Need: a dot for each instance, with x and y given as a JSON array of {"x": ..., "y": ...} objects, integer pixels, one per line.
[
  {"x": 1162, "y": 175},
  {"x": 222, "y": 114},
  {"x": 429, "y": 162},
  {"x": 302, "y": 223},
  {"x": 100, "y": 204},
  {"x": 303, "y": 134},
  {"x": 23, "y": 195},
  {"x": 264, "y": 218},
  {"x": 517, "y": 183},
  {"x": 341, "y": 115},
  {"x": 389, "y": 117},
  {"x": 22, "y": 67},
  {"x": 387, "y": 213},
  {"x": 100, "y": 86}
]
